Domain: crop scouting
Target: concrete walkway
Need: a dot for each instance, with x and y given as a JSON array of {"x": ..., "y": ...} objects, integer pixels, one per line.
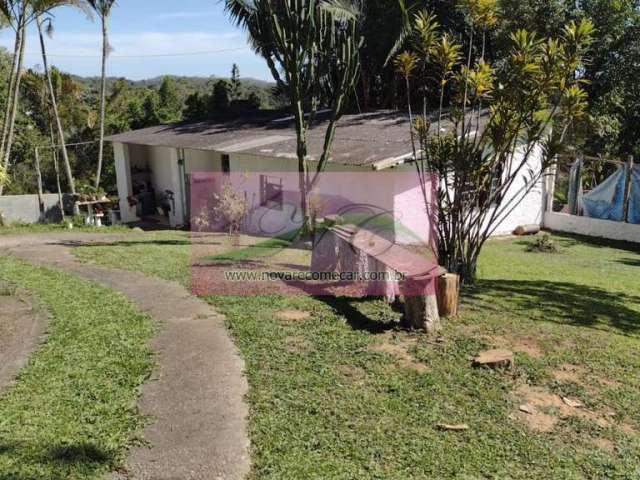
[{"x": 195, "y": 398}]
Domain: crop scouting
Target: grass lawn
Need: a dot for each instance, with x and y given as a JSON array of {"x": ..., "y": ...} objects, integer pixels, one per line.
[
  {"x": 72, "y": 413},
  {"x": 345, "y": 393}
]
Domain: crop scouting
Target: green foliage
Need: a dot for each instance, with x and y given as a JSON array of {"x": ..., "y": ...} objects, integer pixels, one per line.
[
  {"x": 538, "y": 99},
  {"x": 220, "y": 98},
  {"x": 543, "y": 244}
]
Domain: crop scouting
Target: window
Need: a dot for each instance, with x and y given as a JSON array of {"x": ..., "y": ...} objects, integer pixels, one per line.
[
  {"x": 226, "y": 164},
  {"x": 271, "y": 194}
]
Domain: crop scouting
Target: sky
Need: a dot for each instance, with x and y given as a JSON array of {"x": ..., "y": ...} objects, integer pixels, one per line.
[{"x": 142, "y": 32}]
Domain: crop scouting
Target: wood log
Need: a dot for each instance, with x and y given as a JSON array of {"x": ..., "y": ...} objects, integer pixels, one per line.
[
  {"x": 527, "y": 230},
  {"x": 448, "y": 295}
]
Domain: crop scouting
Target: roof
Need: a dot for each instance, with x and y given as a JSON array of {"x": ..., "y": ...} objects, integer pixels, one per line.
[{"x": 361, "y": 140}]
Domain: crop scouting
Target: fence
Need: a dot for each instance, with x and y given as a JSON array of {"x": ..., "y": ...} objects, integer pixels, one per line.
[
  {"x": 597, "y": 197},
  {"x": 26, "y": 208}
]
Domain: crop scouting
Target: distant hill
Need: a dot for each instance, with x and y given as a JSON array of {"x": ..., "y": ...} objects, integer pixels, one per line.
[{"x": 194, "y": 83}]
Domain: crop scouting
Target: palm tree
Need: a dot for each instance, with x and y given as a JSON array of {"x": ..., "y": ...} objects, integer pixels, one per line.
[
  {"x": 103, "y": 10},
  {"x": 19, "y": 14},
  {"x": 52, "y": 98}
]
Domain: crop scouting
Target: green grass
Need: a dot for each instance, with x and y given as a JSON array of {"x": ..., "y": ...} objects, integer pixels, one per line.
[
  {"x": 72, "y": 413},
  {"x": 327, "y": 401}
]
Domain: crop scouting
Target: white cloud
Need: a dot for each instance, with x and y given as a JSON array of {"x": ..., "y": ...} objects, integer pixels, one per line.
[
  {"x": 186, "y": 15},
  {"x": 80, "y": 44},
  {"x": 141, "y": 55}
]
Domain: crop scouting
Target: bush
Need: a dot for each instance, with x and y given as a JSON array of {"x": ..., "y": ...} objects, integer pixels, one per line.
[{"x": 543, "y": 244}]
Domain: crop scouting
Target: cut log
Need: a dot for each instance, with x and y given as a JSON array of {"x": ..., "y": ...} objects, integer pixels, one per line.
[
  {"x": 527, "y": 230},
  {"x": 494, "y": 359},
  {"x": 448, "y": 295}
]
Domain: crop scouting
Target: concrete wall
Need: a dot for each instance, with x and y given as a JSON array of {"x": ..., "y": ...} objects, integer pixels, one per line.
[
  {"x": 25, "y": 208},
  {"x": 593, "y": 227}
]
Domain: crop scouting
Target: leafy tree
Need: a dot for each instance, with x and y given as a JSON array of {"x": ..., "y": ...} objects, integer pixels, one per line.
[
  {"x": 195, "y": 107},
  {"x": 103, "y": 9},
  {"x": 531, "y": 99},
  {"x": 220, "y": 98},
  {"x": 312, "y": 48},
  {"x": 170, "y": 105}
]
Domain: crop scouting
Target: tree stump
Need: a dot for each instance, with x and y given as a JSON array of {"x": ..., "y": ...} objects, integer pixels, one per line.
[
  {"x": 421, "y": 312},
  {"x": 448, "y": 295}
]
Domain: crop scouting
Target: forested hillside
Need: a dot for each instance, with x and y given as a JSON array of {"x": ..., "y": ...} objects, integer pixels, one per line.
[{"x": 130, "y": 105}]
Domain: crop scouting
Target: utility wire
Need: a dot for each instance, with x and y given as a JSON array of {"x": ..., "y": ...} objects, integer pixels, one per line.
[{"x": 184, "y": 54}]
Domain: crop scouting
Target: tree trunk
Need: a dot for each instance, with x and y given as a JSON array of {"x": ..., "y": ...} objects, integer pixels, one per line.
[
  {"x": 9, "y": 128},
  {"x": 39, "y": 180},
  {"x": 10, "y": 88},
  {"x": 54, "y": 153},
  {"x": 56, "y": 115},
  {"x": 103, "y": 97},
  {"x": 303, "y": 169}
]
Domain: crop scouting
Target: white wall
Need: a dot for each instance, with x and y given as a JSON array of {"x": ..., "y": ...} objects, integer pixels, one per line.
[
  {"x": 202, "y": 161},
  {"x": 531, "y": 209},
  {"x": 593, "y": 227}
]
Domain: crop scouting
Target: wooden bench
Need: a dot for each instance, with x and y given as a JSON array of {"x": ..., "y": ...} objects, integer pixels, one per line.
[{"x": 346, "y": 249}]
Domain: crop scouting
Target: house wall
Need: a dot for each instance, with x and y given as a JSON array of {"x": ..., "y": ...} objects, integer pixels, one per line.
[
  {"x": 202, "y": 161},
  {"x": 167, "y": 176},
  {"x": 593, "y": 227},
  {"x": 530, "y": 210}
]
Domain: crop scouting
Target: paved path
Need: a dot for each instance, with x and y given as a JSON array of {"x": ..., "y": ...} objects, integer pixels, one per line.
[{"x": 195, "y": 397}]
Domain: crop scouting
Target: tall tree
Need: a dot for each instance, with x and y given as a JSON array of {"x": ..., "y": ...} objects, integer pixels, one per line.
[
  {"x": 170, "y": 102},
  {"x": 312, "y": 48},
  {"x": 103, "y": 10},
  {"x": 47, "y": 25},
  {"x": 236, "y": 85},
  {"x": 19, "y": 14}
]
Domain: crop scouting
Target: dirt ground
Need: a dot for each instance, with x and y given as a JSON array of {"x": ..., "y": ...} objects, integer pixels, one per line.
[{"x": 22, "y": 324}]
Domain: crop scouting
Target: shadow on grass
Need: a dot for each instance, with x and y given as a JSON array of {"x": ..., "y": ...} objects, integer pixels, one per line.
[
  {"x": 560, "y": 302},
  {"x": 82, "y": 456},
  {"x": 631, "y": 262},
  {"x": 570, "y": 240},
  {"x": 355, "y": 318},
  {"x": 128, "y": 243}
]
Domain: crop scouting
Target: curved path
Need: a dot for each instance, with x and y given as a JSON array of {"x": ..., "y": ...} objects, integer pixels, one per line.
[{"x": 195, "y": 398}]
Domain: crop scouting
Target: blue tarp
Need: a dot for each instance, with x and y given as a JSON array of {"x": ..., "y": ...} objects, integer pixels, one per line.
[
  {"x": 606, "y": 201},
  {"x": 634, "y": 199}
]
